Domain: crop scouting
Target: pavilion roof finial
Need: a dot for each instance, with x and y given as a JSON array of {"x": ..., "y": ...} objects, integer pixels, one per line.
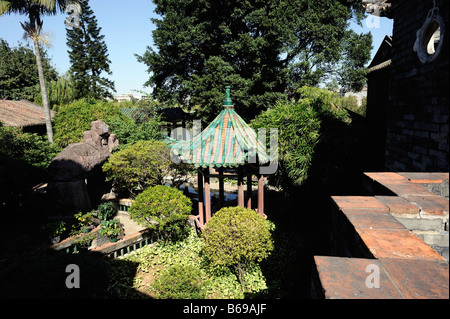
[{"x": 228, "y": 103}]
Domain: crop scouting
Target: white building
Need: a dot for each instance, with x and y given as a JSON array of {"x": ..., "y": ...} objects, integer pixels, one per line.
[{"x": 129, "y": 97}]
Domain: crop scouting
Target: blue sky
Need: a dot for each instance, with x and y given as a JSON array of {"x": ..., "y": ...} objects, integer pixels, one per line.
[{"x": 127, "y": 29}]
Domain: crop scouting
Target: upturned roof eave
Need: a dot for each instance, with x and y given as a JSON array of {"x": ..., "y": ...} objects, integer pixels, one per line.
[{"x": 237, "y": 132}]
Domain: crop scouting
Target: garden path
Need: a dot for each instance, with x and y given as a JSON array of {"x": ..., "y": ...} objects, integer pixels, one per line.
[{"x": 129, "y": 225}]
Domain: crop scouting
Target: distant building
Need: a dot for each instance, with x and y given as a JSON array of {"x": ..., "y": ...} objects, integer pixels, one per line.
[{"x": 130, "y": 97}]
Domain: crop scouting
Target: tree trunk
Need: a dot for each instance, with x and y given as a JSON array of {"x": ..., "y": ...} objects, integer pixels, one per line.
[
  {"x": 47, "y": 115},
  {"x": 241, "y": 273}
]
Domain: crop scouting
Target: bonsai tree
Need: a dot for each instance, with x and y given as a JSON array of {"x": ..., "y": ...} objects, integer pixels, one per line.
[
  {"x": 163, "y": 209},
  {"x": 236, "y": 237}
]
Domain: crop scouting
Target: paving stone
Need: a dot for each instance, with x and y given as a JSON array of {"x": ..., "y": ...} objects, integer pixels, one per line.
[
  {"x": 430, "y": 205},
  {"x": 399, "y": 185},
  {"x": 389, "y": 177},
  {"x": 345, "y": 278},
  {"x": 396, "y": 243},
  {"x": 408, "y": 189},
  {"x": 357, "y": 202},
  {"x": 426, "y": 178},
  {"x": 399, "y": 206},
  {"x": 372, "y": 218},
  {"x": 419, "y": 279}
]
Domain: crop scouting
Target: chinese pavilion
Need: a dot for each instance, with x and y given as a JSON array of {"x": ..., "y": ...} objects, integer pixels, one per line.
[{"x": 227, "y": 143}]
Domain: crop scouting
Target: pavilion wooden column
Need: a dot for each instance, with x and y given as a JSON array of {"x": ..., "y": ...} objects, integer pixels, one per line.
[
  {"x": 249, "y": 191},
  {"x": 200, "y": 196},
  {"x": 221, "y": 188},
  {"x": 261, "y": 195},
  {"x": 207, "y": 196},
  {"x": 240, "y": 187}
]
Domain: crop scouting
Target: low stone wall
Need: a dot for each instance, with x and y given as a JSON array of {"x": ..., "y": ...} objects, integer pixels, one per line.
[
  {"x": 418, "y": 204},
  {"x": 385, "y": 246}
]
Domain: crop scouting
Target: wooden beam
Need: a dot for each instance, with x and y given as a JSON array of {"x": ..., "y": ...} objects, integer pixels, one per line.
[
  {"x": 200, "y": 196},
  {"x": 207, "y": 196},
  {"x": 261, "y": 195}
]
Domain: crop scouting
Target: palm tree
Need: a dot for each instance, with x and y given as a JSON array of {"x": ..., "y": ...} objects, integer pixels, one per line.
[{"x": 35, "y": 9}]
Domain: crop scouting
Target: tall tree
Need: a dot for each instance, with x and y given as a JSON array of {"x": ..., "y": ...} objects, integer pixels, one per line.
[
  {"x": 35, "y": 9},
  {"x": 260, "y": 47},
  {"x": 18, "y": 72},
  {"x": 89, "y": 56},
  {"x": 352, "y": 74}
]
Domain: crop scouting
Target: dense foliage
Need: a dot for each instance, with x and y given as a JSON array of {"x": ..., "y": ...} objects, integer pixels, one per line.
[
  {"x": 180, "y": 282},
  {"x": 301, "y": 125},
  {"x": 197, "y": 278},
  {"x": 59, "y": 91},
  {"x": 24, "y": 158},
  {"x": 237, "y": 237},
  {"x": 35, "y": 11},
  {"x": 18, "y": 72},
  {"x": 260, "y": 48},
  {"x": 138, "y": 166},
  {"x": 129, "y": 132},
  {"x": 73, "y": 119},
  {"x": 88, "y": 56},
  {"x": 163, "y": 209}
]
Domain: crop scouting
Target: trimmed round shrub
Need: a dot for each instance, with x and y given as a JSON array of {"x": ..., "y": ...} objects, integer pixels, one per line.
[
  {"x": 237, "y": 237},
  {"x": 163, "y": 209},
  {"x": 180, "y": 282}
]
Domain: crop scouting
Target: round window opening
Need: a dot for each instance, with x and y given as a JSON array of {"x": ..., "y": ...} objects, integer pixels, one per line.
[{"x": 430, "y": 38}]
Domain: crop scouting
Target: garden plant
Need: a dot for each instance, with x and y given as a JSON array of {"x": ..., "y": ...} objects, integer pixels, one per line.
[
  {"x": 237, "y": 237},
  {"x": 163, "y": 209}
]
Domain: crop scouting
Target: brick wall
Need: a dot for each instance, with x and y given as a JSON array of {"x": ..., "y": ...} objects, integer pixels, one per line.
[{"x": 418, "y": 115}]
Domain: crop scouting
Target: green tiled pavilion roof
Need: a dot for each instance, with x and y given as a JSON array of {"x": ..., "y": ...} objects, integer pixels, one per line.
[{"x": 226, "y": 142}]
